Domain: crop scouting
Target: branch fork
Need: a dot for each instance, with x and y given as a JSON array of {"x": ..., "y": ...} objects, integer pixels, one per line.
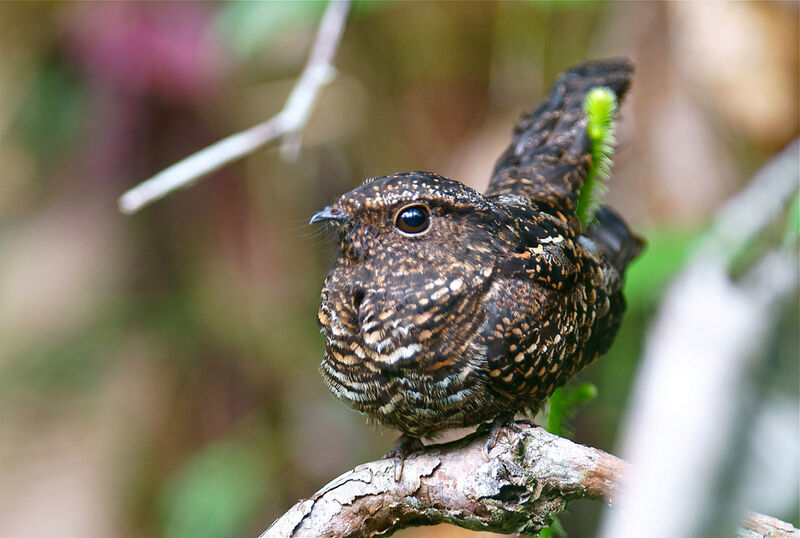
[{"x": 286, "y": 125}]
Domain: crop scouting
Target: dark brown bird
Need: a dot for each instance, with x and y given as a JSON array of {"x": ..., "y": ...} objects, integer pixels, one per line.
[{"x": 447, "y": 307}]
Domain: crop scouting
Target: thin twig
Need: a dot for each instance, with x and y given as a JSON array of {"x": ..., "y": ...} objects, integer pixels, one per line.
[{"x": 287, "y": 124}]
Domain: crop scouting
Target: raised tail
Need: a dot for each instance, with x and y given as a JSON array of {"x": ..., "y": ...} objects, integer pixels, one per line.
[
  {"x": 549, "y": 154},
  {"x": 619, "y": 244}
]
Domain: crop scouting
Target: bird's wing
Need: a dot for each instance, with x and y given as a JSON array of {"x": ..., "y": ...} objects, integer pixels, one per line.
[
  {"x": 553, "y": 307},
  {"x": 549, "y": 154},
  {"x": 538, "y": 335}
]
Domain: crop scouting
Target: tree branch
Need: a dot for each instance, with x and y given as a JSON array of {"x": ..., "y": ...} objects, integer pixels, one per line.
[
  {"x": 529, "y": 478},
  {"x": 757, "y": 525},
  {"x": 287, "y": 124}
]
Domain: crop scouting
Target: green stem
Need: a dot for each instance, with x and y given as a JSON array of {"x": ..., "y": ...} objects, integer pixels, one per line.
[{"x": 600, "y": 105}]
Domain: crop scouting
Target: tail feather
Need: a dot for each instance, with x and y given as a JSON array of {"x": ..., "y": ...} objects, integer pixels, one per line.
[
  {"x": 612, "y": 234},
  {"x": 550, "y": 150}
]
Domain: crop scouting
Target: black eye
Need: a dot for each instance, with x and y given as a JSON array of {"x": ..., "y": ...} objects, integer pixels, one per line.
[{"x": 413, "y": 219}]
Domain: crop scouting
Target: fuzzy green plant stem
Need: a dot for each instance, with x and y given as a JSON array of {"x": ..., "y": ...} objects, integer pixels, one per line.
[{"x": 599, "y": 105}]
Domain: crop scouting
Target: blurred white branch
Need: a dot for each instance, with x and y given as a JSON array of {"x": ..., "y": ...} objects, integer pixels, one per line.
[
  {"x": 286, "y": 125},
  {"x": 745, "y": 215},
  {"x": 686, "y": 412}
]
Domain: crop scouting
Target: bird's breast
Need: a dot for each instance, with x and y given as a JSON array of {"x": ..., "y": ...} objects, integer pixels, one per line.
[{"x": 411, "y": 359}]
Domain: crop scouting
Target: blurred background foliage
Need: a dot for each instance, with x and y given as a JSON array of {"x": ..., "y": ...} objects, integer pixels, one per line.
[{"x": 158, "y": 372}]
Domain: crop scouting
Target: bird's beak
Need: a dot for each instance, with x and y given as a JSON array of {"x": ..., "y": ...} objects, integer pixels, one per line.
[{"x": 329, "y": 214}]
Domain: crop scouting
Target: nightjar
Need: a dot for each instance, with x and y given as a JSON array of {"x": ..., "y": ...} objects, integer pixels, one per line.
[{"x": 447, "y": 307}]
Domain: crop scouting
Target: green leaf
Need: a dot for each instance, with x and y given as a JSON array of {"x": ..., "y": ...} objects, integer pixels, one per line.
[
  {"x": 556, "y": 529},
  {"x": 666, "y": 252},
  {"x": 250, "y": 26},
  {"x": 215, "y": 495},
  {"x": 53, "y": 111},
  {"x": 581, "y": 395},
  {"x": 563, "y": 404}
]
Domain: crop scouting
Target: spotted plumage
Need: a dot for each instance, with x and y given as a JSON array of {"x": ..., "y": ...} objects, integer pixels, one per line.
[{"x": 447, "y": 307}]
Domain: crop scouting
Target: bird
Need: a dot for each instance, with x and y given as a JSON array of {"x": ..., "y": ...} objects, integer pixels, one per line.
[{"x": 446, "y": 307}]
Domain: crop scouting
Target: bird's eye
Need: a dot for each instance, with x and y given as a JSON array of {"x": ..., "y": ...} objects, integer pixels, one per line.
[{"x": 413, "y": 219}]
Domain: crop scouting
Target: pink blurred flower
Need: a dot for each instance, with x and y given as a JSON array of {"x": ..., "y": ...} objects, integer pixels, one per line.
[{"x": 164, "y": 49}]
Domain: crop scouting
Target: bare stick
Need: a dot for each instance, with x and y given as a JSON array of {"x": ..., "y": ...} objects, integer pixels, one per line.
[
  {"x": 529, "y": 478},
  {"x": 287, "y": 124}
]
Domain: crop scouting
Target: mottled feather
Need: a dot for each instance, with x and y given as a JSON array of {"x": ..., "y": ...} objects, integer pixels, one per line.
[
  {"x": 549, "y": 154},
  {"x": 496, "y": 300}
]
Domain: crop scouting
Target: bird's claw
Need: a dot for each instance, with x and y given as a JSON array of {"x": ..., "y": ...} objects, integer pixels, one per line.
[
  {"x": 500, "y": 423},
  {"x": 406, "y": 445}
]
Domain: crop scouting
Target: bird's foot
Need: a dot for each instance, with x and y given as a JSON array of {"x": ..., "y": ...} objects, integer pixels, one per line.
[
  {"x": 405, "y": 446},
  {"x": 505, "y": 421}
]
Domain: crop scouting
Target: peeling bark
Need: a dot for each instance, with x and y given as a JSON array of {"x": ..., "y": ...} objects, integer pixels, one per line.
[
  {"x": 529, "y": 478},
  {"x": 761, "y": 526}
]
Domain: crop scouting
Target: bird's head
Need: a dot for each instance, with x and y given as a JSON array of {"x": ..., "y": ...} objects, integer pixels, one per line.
[{"x": 409, "y": 221}]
